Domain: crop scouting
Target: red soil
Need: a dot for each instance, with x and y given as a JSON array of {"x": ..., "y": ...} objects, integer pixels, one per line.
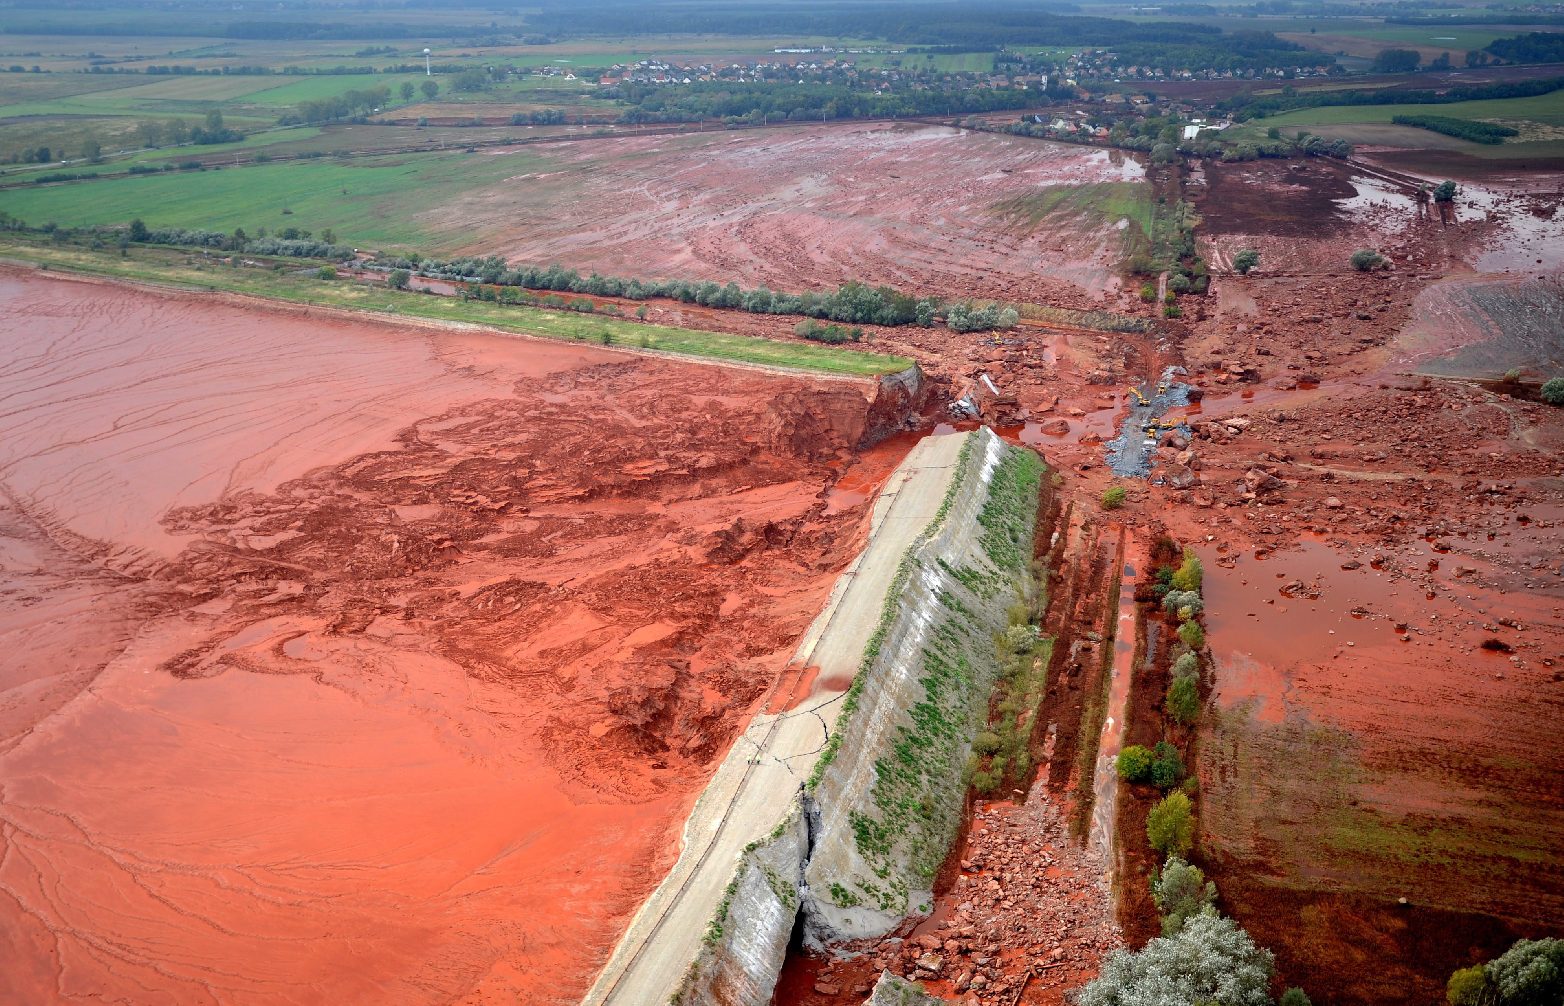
[
  {"x": 352, "y": 662},
  {"x": 908, "y": 205}
]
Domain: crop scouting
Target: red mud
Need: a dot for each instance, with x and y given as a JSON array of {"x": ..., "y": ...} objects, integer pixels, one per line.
[
  {"x": 357, "y": 663},
  {"x": 908, "y": 205}
]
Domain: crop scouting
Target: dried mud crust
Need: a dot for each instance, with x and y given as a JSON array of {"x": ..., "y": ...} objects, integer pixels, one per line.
[
  {"x": 912, "y": 206},
  {"x": 414, "y": 709}
]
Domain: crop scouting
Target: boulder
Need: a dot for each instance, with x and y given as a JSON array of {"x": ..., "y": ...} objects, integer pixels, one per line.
[
  {"x": 1258, "y": 481},
  {"x": 1181, "y": 477}
]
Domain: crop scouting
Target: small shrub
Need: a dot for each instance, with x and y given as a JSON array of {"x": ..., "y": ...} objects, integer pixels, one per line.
[
  {"x": 1134, "y": 764},
  {"x": 1148, "y": 293},
  {"x": 1553, "y": 391},
  {"x": 1192, "y": 635},
  {"x": 1246, "y": 260},
  {"x": 326, "y": 272},
  {"x": 1181, "y": 892},
  {"x": 1168, "y": 768},
  {"x": 1183, "y": 699},
  {"x": 1295, "y": 997},
  {"x": 398, "y": 279},
  {"x": 1187, "y": 665},
  {"x": 987, "y": 743},
  {"x": 1113, "y": 497},
  {"x": 1366, "y": 259},
  {"x": 1190, "y": 574},
  {"x": 1178, "y": 283},
  {"x": 1172, "y": 311},
  {"x": 985, "y": 782},
  {"x": 1182, "y": 601},
  {"x": 1170, "y": 827},
  {"x": 1467, "y": 987}
]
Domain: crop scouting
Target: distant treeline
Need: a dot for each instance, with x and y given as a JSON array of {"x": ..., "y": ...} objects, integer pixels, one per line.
[
  {"x": 1248, "y": 107},
  {"x": 266, "y": 30},
  {"x": 1241, "y": 50},
  {"x": 943, "y": 24},
  {"x": 250, "y": 70},
  {"x": 1482, "y": 17},
  {"x": 777, "y": 101},
  {"x": 1537, "y": 47},
  {"x": 1464, "y": 129}
]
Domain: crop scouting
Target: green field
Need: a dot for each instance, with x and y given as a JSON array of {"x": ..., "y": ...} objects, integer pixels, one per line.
[
  {"x": 374, "y": 201},
  {"x": 1547, "y": 109},
  {"x": 183, "y": 270},
  {"x": 1540, "y": 120}
]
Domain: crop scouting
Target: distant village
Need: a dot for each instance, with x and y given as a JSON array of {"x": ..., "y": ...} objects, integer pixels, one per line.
[{"x": 910, "y": 70}]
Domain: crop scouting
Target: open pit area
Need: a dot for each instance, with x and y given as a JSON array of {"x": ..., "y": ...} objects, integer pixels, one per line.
[{"x": 351, "y": 661}]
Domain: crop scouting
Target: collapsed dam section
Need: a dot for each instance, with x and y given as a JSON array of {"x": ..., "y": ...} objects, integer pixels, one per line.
[{"x": 831, "y": 814}]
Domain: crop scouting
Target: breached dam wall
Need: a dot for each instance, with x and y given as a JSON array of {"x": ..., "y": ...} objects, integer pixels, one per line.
[{"x": 858, "y": 848}]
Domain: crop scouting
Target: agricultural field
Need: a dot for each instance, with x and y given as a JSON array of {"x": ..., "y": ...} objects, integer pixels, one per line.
[
  {"x": 1538, "y": 119},
  {"x": 384, "y": 200}
]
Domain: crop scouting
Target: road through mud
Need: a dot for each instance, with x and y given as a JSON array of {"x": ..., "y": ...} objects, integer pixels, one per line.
[{"x": 348, "y": 662}]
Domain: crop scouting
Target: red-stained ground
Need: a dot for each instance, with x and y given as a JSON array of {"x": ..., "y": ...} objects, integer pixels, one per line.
[
  {"x": 359, "y": 663},
  {"x": 914, "y": 206}
]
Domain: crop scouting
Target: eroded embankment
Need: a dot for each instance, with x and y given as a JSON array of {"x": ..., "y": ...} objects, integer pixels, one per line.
[
  {"x": 355, "y": 662},
  {"x": 859, "y": 847}
]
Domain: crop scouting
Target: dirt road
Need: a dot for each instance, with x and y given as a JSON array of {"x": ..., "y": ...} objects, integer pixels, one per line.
[{"x": 769, "y": 763}]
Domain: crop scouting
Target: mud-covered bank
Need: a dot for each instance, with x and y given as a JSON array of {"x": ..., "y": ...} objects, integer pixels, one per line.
[{"x": 356, "y": 661}]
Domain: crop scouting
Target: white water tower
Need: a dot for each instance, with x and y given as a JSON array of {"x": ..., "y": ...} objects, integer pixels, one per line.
[{"x": 427, "y": 72}]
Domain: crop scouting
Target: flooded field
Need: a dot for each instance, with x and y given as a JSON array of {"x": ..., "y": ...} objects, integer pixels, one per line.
[
  {"x": 1382, "y": 733},
  {"x": 1484, "y": 329},
  {"x": 912, "y": 206},
  {"x": 351, "y": 662}
]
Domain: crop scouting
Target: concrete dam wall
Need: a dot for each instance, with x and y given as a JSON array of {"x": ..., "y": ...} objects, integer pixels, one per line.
[{"x": 857, "y": 847}]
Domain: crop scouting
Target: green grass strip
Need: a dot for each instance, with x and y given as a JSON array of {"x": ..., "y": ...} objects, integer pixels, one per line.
[{"x": 145, "y": 265}]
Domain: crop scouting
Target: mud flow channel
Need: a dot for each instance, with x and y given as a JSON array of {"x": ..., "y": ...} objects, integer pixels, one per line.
[{"x": 347, "y": 662}]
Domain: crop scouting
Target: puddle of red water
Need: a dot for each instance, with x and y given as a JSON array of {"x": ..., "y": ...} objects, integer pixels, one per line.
[{"x": 802, "y": 687}]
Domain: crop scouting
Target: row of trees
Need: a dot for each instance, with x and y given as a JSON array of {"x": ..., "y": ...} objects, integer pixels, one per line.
[
  {"x": 853, "y": 302},
  {"x": 1200, "y": 956},
  {"x": 342, "y": 106},
  {"x": 152, "y": 133},
  {"x": 1463, "y": 129},
  {"x": 176, "y": 132}
]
